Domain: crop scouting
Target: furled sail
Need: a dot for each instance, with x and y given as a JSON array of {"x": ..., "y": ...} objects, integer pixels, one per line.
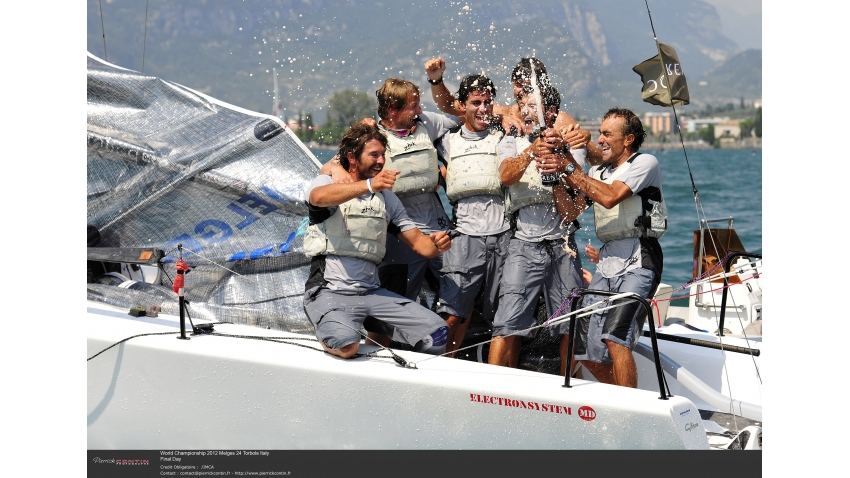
[{"x": 167, "y": 165}]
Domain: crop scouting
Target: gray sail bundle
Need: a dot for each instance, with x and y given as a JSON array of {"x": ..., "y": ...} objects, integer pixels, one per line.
[{"x": 167, "y": 165}]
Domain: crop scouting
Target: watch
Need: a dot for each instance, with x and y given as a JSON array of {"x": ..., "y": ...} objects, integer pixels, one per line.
[
  {"x": 435, "y": 82},
  {"x": 570, "y": 170}
]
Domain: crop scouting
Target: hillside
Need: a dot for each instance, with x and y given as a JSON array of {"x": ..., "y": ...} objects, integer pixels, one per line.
[{"x": 227, "y": 49}]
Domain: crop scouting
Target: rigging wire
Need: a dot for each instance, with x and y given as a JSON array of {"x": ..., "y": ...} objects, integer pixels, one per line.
[
  {"x": 103, "y": 30},
  {"x": 145, "y": 41},
  {"x": 697, "y": 203}
]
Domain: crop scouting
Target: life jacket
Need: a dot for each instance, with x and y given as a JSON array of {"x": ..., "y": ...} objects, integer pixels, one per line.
[
  {"x": 358, "y": 229},
  {"x": 416, "y": 157},
  {"x": 473, "y": 168},
  {"x": 641, "y": 215},
  {"x": 529, "y": 189}
]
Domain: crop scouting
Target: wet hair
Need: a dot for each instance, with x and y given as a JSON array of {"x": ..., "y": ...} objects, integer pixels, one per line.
[
  {"x": 522, "y": 71},
  {"x": 393, "y": 94},
  {"x": 551, "y": 98},
  {"x": 631, "y": 125},
  {"x": 472, "y": 83},
  {"x": 354, "y": 141}
]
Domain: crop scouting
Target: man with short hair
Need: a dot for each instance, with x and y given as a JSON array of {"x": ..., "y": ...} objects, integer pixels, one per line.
[
  {"x": 541, "y": 254},
  {"x": 347, "y": 239},
  {"x": 411, "y": 134},
  {"x": 630, "y": 217},
  {"x": 521, "y": 78},
  {"x": 481, "y": 232}
]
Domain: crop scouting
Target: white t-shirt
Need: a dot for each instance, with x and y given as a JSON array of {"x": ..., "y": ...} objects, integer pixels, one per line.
[{"x": 623, "y": 255}]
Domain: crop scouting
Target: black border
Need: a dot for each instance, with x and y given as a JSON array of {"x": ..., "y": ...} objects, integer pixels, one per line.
[{"x": 439, "y": 464}]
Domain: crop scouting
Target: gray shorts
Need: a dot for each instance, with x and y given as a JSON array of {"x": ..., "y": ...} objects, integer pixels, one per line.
[
  {"x": 473, "y": 263},
  {"x": 338, "y": 317},
  {"x": 401, "y": 259},
  {"x": 621, "y": 325},
  {"x": 532, "y": 267}
]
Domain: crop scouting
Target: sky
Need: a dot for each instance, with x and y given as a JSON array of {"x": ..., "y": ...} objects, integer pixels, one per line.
[{"x": 741, "y": 20}]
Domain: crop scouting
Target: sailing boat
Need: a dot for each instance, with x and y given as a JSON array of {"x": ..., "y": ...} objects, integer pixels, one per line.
[{"x": 175, "y": 175}]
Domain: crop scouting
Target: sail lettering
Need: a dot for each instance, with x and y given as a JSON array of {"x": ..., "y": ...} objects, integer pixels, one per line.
[{"x": 212, "y": 231}]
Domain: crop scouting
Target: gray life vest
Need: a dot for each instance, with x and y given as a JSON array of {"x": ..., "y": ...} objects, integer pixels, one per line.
[
  {"x": 636, "y": 216},
  {"x": 415, "y": 156},
  {"x": 358, "y": 229},
  {"x": 473, "y": 167},
  {"x": 529, "y": 189}
]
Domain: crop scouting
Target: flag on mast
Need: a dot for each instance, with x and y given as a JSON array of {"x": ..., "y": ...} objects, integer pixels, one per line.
[{"x": 659, "y": 72}]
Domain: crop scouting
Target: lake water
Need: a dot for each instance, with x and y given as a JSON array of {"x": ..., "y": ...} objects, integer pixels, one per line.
[{"x": 729, "y": 184}]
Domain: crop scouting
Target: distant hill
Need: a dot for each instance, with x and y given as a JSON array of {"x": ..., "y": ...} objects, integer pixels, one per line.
[
  {"x": 227, "y": 49},
  {"x": 739, "y": 76}
]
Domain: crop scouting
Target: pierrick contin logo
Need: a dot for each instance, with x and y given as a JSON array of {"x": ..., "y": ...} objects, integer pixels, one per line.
[{"x": 113, "y": 461}]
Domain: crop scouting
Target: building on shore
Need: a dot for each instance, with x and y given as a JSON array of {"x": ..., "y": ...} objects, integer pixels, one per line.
[{"x": 660, "y": 122}]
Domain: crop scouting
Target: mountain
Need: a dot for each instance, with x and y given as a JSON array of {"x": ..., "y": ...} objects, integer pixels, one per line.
[
  {"x": 739, "y": 76},
  {"x": 227, "y": 49}
]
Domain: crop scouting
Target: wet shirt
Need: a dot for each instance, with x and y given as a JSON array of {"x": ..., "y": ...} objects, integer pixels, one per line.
[
  {"x": 425, "y": 210},
  {"x": 351, "y": 273},
  {"x": 623, "y": 255},
  {"x": 536, "y": 222},
  {"x": 478, "y": 215}
]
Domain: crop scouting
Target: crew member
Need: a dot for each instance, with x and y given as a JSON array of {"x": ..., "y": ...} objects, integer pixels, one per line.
[
  {"x": 411, "y": 134},
  {"x": 541, "y": 254},
  {"x": 347, "y": 240},
  {"x": 630, "y": 216},
  {"x": 474, "y": 188}
]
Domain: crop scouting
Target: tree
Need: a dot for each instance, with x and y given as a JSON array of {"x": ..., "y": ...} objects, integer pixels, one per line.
[
  {"x": 746, "y": 128},
  {"x": 757, "y": 122},
  {"x": 308, "y": 127},
  {"x": 706, "y": 133},
  {"x": 344, "y": 109}
]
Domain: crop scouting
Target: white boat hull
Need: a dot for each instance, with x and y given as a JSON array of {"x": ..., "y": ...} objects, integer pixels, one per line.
[{"x": 215, "y": 392}]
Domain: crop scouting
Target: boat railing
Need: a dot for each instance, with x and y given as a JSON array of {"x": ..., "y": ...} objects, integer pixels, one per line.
[
  {"x": 730, "y": 260},
  {"x": 634, "y": 297}
]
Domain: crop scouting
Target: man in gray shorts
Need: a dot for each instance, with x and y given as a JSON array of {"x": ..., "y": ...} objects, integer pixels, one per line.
[
  {"x": 541, "y": 253},
  {"x": 630, "y": 217},
  {"x": 480, "y": 230},
  {"x": 346, "y": 240}
]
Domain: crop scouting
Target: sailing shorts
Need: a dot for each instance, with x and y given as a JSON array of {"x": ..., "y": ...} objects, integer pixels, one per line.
[
  {"x": 532, "y": 267},
  {"x": 473, "y": 263},
  {"x": 403, "y": 270},
  {"x": 621, "y": 325},
  {"x": 338, "y": 317}
]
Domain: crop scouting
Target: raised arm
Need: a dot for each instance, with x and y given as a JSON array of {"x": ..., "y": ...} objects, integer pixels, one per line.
[
  {"x": 446, "y": 102},
  {"x": 335, "y": 170}
]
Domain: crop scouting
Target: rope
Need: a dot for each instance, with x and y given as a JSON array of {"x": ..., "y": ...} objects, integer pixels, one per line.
[{"x": 128, "y": 338}]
